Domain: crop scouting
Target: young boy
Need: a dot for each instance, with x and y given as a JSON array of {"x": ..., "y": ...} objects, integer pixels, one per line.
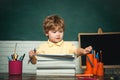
[{"x": 54, "y": 29}]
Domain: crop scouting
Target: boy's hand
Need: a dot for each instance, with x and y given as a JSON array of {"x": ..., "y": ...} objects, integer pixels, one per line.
[
  {"x": 31, "y": 53},
  {"x": 32, "y": 57},
  {"x": 87, "y": 50}
]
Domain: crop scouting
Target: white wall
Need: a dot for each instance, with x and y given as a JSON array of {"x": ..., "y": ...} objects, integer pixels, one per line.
[{"x": 7, "y": 48}]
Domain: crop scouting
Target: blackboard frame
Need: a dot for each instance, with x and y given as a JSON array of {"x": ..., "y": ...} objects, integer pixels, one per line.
[{"x": 80, "y": 42}]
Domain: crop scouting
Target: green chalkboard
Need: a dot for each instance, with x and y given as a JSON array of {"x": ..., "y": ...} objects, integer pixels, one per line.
[{"x": 22, "y": 19}]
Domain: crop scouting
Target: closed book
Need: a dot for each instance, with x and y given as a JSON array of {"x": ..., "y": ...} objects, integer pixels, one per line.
[
  {"x": 55, "y": 72},
  {"x": 55, "y": 64}
]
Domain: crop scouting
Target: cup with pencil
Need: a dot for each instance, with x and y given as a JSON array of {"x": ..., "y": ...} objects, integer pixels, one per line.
[{"x": 15, "y": 63}]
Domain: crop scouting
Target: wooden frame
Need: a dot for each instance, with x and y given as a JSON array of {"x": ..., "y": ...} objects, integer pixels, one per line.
[{"x": 106, "y": 33}]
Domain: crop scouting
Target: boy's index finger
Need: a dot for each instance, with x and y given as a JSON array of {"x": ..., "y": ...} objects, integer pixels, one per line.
[{"x": 34, "y": 50}]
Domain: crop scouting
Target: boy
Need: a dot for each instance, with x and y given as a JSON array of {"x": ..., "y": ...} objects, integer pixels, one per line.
[{"x": 54, "y": 29}]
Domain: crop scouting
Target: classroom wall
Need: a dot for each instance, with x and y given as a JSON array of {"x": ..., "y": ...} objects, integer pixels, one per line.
[
  {"x": 22, "y": 19},
  {"x": 7, "y": 48}
]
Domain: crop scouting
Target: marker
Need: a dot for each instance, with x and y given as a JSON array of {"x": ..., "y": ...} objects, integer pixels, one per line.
[
  {"x": 9, "y": 58},
  {"x": 97, "y": 55},
  {"x": 22, "y": 57}
]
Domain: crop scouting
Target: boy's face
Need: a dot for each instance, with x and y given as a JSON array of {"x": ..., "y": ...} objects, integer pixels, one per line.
[{"x": 55, "y": 36}]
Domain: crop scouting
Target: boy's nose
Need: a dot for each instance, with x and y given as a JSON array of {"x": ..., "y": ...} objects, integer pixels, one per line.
[{"x": 58, "y": 33}]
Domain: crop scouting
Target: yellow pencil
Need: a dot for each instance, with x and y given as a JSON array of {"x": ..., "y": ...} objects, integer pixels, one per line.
[{"x": 15, "y": 55}]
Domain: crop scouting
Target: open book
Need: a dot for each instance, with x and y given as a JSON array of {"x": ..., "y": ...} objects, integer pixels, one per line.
[{"x": 55, "y": 56}]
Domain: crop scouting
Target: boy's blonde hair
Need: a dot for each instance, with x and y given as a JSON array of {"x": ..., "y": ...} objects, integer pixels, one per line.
[{"x": 53, "y": 22}]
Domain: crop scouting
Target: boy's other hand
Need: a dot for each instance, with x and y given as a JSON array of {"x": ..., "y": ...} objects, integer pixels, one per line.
[
  {"x": 31, "y": 53},
  {"x": 87, "y": 50}
]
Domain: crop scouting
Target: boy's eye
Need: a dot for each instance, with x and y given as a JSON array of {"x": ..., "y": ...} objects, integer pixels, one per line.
[
  {"x": 54, "y": 31},
  {"x": 60, "y": 31}
]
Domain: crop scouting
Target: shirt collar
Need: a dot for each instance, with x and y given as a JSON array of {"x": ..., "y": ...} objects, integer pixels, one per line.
[{"x": 52, "y": 44}]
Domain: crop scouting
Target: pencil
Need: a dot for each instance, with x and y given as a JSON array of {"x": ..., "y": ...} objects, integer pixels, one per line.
[{"x": 83, "y": 75}]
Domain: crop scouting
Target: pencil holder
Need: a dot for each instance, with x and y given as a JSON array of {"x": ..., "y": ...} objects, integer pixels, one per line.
[
  {"x": 95, "y": 62},
  {"x": 15, "y": 67},
  {"x": 89, "y": 64},
  {"x": 100, "y": 70}
]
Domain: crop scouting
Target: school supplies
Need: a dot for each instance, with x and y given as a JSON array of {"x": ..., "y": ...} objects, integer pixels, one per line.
[
  {"x": 100, "y": 69},
  {"x": 94, "y": 64},
  {"x": 9, "y": 58},
  {"x": 22, "y": 57},
  {"x": 14, "y": 56},
  {"x": 84, "y": 75},
  {"x": 89, "y": 63},
  {"x": 15, "y": 67},
  {"x": 55, "y": 65},
  {"x": 15, "y": 64}
]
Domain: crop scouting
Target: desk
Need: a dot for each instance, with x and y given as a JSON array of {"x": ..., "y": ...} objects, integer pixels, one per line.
[{"x": 6, "y": 76}]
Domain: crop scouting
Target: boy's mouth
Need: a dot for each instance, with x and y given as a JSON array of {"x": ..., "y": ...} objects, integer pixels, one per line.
[{"x": 57, "y": 38}]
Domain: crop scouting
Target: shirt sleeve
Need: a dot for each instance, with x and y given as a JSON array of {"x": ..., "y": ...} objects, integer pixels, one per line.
[{"x": 73, "y": 49}]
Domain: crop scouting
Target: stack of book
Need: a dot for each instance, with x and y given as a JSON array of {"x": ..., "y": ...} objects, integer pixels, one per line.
[{"x": 55, "y": 65}]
